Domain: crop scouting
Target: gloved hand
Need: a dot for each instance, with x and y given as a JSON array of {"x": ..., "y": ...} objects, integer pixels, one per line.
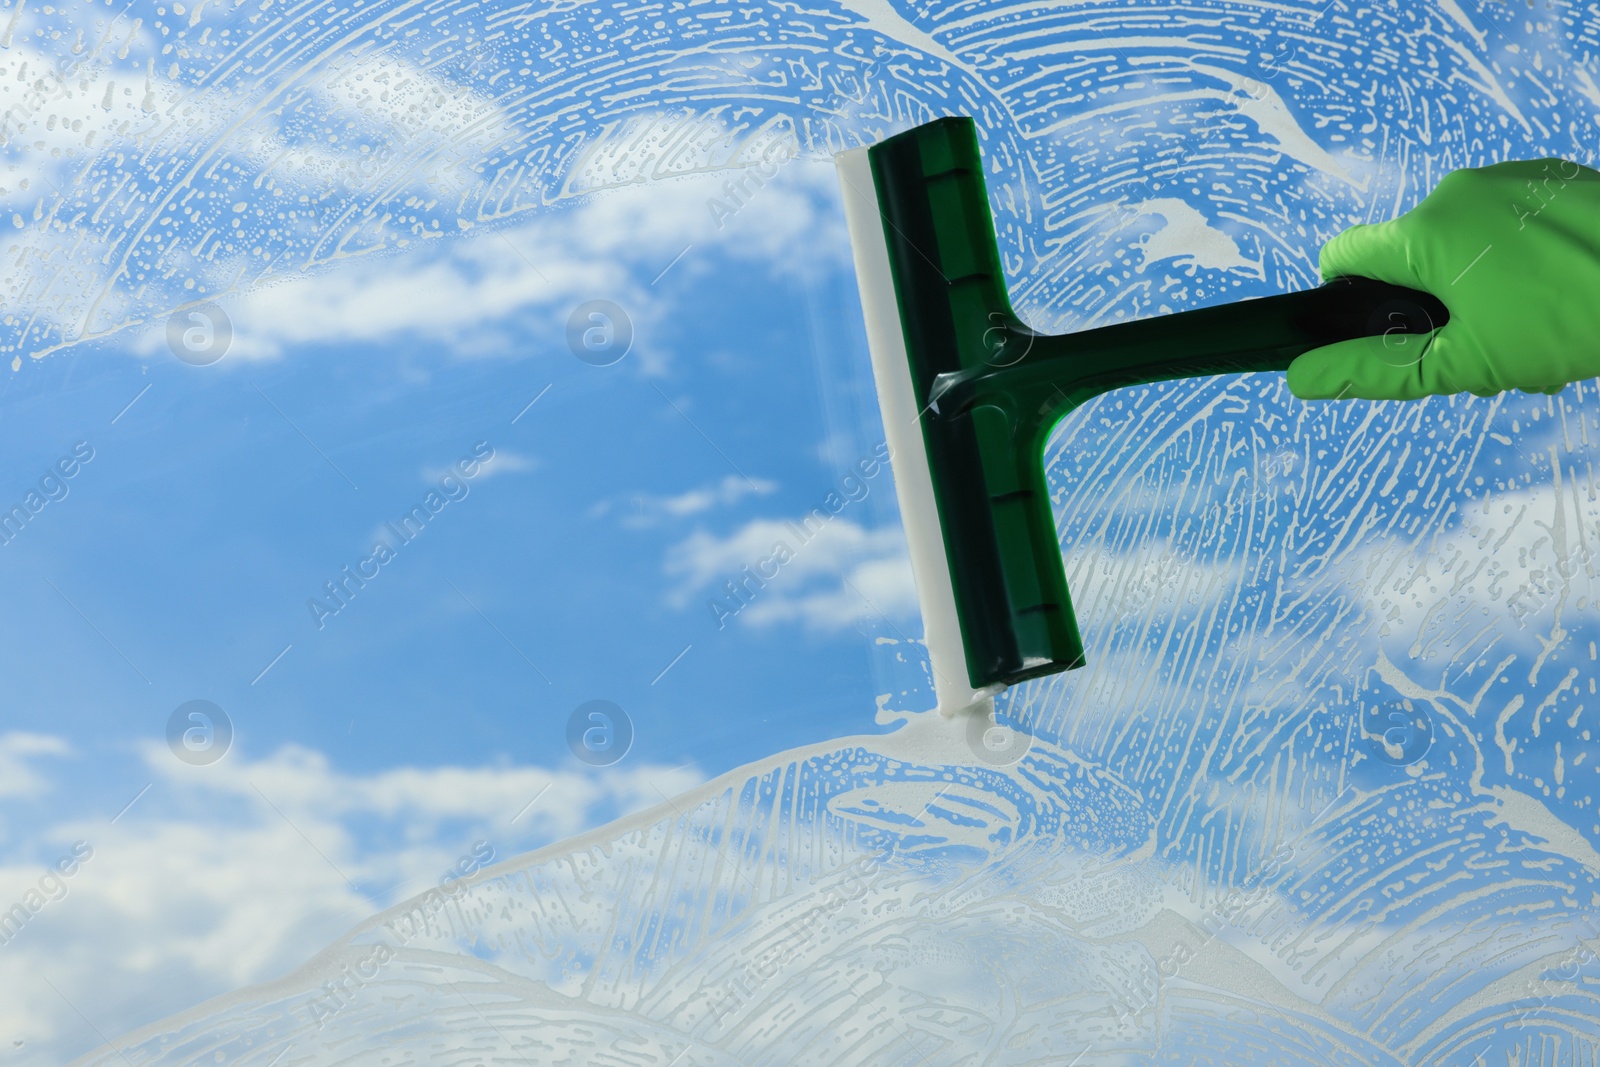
[{"x": 1513, "y": 250}]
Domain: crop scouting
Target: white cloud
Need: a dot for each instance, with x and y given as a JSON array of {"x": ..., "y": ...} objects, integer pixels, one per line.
[
  {"x": 17, "y": 777},
  {"x": 398, "y": 96},
  {"x": 57, "y": 107},
  {"x": 1518, "y": 553},
  {"x": 1147, "y": 583},
  {"x": 728, "y": 491},
  {"x": 490, "y": 291},
  {"x": 504, "y": 461},
  {"x": 405, "y": 136},
  {"x": 834, "y": 573},
  {"x": 397, "y": 166},
  {"x": 236, "y": 873},
  {"x": 643, "y": 510},
  {"x": 445, "y": 299}
]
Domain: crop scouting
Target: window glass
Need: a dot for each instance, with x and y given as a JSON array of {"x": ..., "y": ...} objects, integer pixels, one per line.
[{"x": 459, "y": 609}]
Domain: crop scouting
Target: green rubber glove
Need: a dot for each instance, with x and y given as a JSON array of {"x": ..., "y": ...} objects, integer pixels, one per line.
[{"x": 1513, "y": 251}]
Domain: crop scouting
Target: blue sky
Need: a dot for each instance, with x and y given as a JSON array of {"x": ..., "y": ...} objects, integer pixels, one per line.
[
  {"x": 577, "y": 566},
  {"x": 225, "y": 496}
]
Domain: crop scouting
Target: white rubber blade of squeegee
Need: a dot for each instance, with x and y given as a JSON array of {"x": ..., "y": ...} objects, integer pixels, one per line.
[{"x": 891, "y": 371}]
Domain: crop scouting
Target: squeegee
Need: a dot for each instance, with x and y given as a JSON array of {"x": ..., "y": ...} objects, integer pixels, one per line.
[{"x": 970, "y": 395}]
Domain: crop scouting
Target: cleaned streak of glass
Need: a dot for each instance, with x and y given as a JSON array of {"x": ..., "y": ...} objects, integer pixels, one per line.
[{"x": 1226, "y": 842}]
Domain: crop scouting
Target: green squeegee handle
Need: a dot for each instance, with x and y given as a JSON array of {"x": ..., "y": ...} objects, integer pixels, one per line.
[{"x": 992, "y": 389}]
